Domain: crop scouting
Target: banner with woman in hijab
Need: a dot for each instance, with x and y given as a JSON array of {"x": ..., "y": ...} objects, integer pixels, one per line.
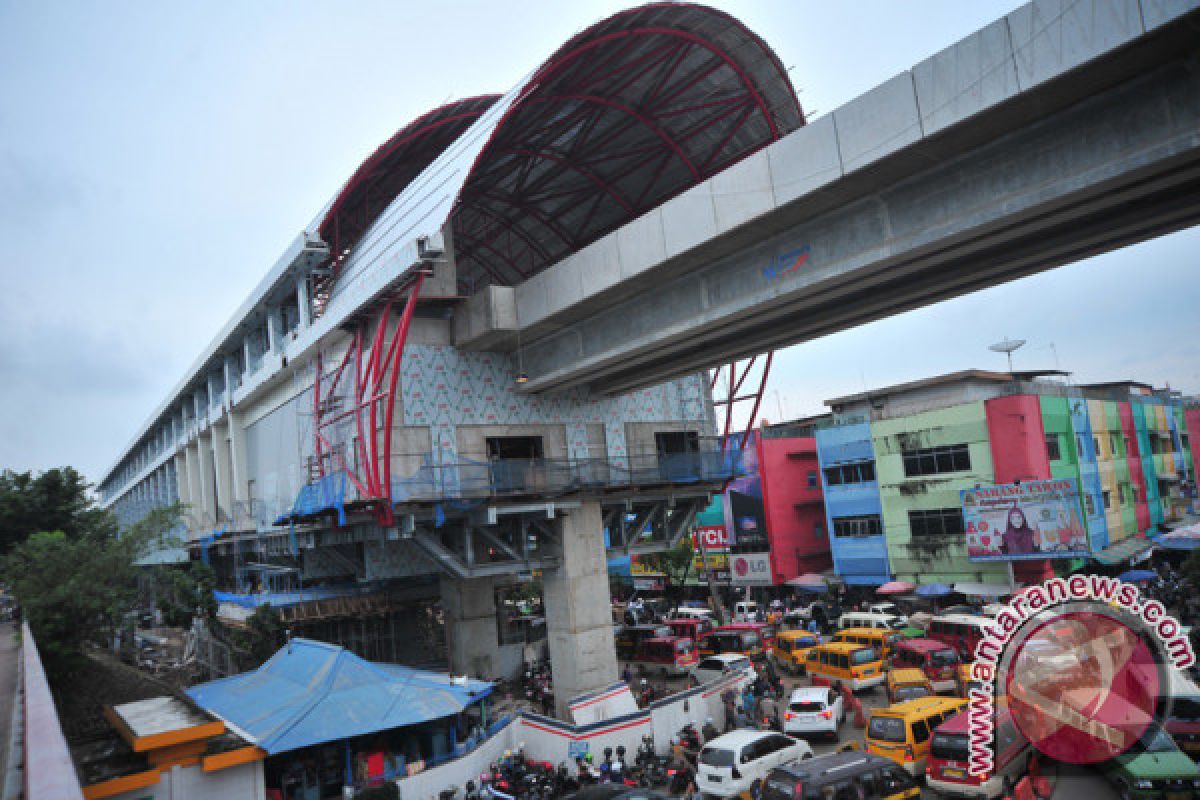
[{"x": 1027, "y": 520}]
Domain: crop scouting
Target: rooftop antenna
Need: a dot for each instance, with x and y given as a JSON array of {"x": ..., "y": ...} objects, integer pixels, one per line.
[{"x": 1007, "y": 346}]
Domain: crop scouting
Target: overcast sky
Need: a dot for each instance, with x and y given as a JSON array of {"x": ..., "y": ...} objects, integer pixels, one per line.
[{"x": 155, "y": 159}]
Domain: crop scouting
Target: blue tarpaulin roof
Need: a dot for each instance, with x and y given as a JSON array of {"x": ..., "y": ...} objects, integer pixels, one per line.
[{"x": 310, "y": 693}]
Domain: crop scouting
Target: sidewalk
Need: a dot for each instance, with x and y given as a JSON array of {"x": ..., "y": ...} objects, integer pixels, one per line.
[{"x": 10, "y": 653}]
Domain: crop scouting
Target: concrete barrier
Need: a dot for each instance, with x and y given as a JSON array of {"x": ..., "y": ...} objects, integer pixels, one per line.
[{"x": 547, "y": 739}]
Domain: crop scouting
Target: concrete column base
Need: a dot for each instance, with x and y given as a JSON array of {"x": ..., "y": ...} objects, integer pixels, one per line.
[
  {"x": 472, "y": 644},
  {"x": 579, "y": 609}
]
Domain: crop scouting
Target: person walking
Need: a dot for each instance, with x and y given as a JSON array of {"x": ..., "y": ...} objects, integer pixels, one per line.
[{"x": 768, "y": 712}]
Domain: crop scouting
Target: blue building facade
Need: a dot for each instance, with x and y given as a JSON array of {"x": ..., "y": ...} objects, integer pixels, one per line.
[
  {"x": 853, "y": 511},
  {"x": 1089, "y": 474}
]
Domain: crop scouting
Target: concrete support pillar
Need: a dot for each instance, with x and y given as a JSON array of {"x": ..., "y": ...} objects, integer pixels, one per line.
[
  {"x": 471, "y": 639},
  {"x": 222, "y": 467},
  {"x": 237, "y": 453},
  {"x": 579, "y": 609},
  {"x": 274, "y": 329},
  {"x": 181, "y": 478},
  {"x": 199, "y": 509},
  {"x": 205, "y": 468},
  {"x": 303, "y": 303},
  {"x": 214, "y": 394},
  {"x": 248, "y": 354},
  {"x": 231, "y": 378}
]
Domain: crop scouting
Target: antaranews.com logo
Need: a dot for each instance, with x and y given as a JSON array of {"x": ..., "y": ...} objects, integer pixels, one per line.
[{"x": 1079, "y": 664}]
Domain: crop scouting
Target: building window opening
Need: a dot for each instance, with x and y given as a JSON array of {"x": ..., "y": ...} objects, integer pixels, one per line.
[
  {"x": 937, "y": 460},
  {"x": 1053, "y": 451},
  {"x": 936, "y": 522},
  {"x": 858, "y": 526}
]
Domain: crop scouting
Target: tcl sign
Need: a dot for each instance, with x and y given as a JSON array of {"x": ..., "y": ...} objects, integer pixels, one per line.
[
  {"x": 713, "y": 536},
  {"x": 751, "y": 569}
]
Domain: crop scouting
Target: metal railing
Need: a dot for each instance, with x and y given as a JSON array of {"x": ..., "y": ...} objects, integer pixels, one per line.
[{"x": 550, "y": 476}]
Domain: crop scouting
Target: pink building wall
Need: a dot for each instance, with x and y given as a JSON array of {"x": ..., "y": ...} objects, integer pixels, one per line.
[
  {"x": 1191, "y": 417},
  {"x": 1018, "y": 444},
  {"x": 794, "y": 510},
  {"x": 1137, "y": 476}
]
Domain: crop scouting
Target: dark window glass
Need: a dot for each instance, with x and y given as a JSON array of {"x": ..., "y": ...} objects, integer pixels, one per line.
[
  {"x": 936, "y": 522},
  {"x": 862, "y": 525},
  {"x": 936, "y": 460},
  {"x": 887, "y": 729},
  {"x": 1053, "y": 452},
  {"x": 950, "y": 746},
  {"x": 920, "y": 731}
]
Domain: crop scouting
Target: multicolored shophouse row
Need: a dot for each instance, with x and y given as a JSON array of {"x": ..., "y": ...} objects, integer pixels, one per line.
[{"x": 871, "y": 492}]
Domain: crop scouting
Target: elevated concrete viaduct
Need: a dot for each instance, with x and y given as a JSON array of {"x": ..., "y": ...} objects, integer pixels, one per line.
[{"x": 1056, "y": 133}]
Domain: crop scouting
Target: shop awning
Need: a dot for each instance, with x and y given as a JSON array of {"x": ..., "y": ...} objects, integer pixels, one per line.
[
  {"x": 1181, "y": 537},
  {"x": 1122, "y": 551},
  {"x": 311, "y": 693}
]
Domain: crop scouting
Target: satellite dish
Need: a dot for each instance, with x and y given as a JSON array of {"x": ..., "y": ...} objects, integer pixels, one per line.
[{"x": 1007, "y": 346}]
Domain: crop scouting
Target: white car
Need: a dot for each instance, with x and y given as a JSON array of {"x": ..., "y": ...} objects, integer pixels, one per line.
[
  {"x": 889, "y": 609},
  {"x": 814, "y": 709},
  {"x": 711, "y": 668},
  {"x": 738, "y": 761}
]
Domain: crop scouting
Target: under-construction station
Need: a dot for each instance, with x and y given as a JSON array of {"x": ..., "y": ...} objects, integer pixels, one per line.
[{"x": 358, "y": 446}]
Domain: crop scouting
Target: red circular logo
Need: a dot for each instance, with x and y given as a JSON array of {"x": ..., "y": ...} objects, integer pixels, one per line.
[
  {"x": 740, "y": 566},
  {"x": 1082, "y": 687}
]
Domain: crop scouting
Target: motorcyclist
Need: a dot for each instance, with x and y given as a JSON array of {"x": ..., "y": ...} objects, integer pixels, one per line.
[
  {"x": 709, "y": 731},
  {"x": 617, "y": 773}
]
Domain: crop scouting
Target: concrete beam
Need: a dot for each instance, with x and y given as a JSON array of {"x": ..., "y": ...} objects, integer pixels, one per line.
[{"x": 1117, "y": 168}]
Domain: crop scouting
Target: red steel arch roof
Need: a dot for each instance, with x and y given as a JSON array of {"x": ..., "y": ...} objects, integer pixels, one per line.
[
  {"x": 627, "y": 114},
  {"x": 394, "y": 165}
]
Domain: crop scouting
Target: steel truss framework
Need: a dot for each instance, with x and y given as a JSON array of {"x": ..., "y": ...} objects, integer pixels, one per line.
[
  {"x": 372, "y": 405},
  {"x": 740, "y": 390},
  {"x": 624, "y": 116}
]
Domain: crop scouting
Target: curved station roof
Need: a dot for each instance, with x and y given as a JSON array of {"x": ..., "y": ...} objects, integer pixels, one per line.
[{"x": 627, "y": 114}]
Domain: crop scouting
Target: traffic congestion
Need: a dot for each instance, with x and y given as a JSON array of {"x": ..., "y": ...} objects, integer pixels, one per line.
[{"x": 847, "y": 704}]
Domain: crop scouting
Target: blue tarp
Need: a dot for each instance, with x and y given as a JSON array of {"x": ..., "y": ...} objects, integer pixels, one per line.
[
  {"x": 311, "y": 693},
  {"x": 283, "y": 599},
  {"x": 324, "y": 494}
]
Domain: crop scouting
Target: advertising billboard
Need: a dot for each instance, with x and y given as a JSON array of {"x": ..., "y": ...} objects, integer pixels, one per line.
[
  {"x": 750, "y": 569},
  {"x": 745, "y": 518},
  {"x": 1028, "y": 520}
]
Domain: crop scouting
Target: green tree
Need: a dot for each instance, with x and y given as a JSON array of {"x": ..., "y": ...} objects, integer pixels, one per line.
[
  {"x": 675, "y": 563},
  {"x": 54, "y": 500},
  {"x": 75, "y": 589}
]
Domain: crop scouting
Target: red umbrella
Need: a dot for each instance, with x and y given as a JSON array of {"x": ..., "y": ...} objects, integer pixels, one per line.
[{"x": 896, "y": 587}]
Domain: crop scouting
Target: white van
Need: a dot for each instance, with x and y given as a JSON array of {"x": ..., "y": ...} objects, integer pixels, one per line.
[
  {"x": 690, "y": 612},
  {"x": 866, "y": 619},
  {"x": 745, "y": 611},
  {"x": 733, "y": 763}
]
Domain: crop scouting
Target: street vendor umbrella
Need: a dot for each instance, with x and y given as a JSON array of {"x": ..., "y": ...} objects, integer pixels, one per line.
[
  {"x": 896, "y": 587},
  {"x": 1137, "y": 575},
  {"x": 812, "y": 587},
  {"x": 934, "y": 590}
]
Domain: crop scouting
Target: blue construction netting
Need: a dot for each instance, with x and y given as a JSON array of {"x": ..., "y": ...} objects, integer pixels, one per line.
[
  {"x": 207, "y": 541},
  {"x": 324, "y": 494},
  {"x": 290, "y": 598}
]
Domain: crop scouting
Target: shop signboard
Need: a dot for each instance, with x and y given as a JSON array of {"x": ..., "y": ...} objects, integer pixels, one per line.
[
  {"x": 750, "y": 569},
  {"x": 1027, "y": 520}
]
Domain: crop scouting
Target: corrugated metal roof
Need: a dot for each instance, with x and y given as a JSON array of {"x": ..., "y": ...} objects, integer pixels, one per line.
[{"x": 311, "y": 693}]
